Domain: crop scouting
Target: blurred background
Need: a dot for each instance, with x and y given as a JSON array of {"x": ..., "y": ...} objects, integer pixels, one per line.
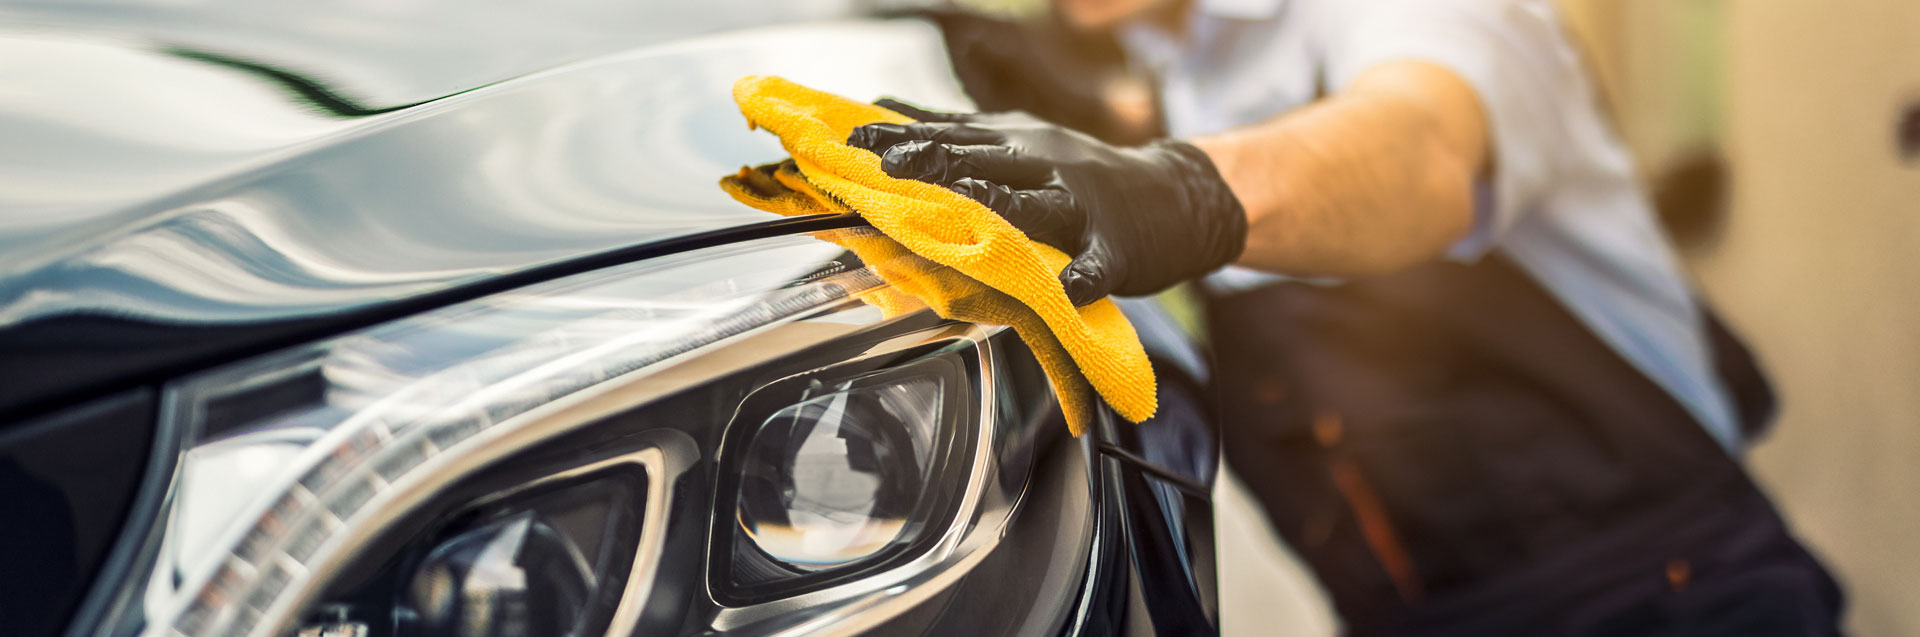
[{"x": 1782, "y": 141}]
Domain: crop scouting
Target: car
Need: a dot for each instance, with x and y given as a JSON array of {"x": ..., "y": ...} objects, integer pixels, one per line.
[{"x": 371, "y": 319}]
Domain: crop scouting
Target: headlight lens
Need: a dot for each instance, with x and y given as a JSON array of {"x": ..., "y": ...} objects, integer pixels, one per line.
[
  {"x": 517, "y": 576},
  {"x": 837, "y": 477}
]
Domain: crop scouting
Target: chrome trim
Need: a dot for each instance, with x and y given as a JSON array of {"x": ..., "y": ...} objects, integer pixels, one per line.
[
  {"x": 653, "y": 537},
  {"x": 872, "y": 600}
]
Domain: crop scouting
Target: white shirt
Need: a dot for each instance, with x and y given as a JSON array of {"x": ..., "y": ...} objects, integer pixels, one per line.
[{"x": 1561, "y": 202}]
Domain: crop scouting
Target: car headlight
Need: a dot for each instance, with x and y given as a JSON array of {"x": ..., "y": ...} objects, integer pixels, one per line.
[{"x": 523, "y": 464}]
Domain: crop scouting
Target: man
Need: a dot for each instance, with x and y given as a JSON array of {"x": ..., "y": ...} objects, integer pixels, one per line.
[{"x": 1483, "y": 399}]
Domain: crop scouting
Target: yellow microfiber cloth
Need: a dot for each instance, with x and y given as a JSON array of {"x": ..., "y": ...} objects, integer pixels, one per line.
[
  {"x": 1002, "y": 276},
  {"x": 915, "y": 283}
]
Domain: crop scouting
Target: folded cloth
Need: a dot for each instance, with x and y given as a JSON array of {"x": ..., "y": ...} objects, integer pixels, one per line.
[
  {"x": 947, "y": 229},
  {"x": 915, "y": 283}
]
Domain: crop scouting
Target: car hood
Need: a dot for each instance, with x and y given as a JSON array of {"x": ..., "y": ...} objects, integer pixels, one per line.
[
  {"x": 165, "y": 181},
  {"x": 178, "y": 183}
]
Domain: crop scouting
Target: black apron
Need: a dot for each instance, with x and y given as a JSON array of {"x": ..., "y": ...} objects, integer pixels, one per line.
[{"x": 1453, "y": 453}]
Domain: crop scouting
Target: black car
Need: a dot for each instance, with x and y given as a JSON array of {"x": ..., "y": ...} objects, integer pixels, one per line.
[{"x": 428, "y": 318}]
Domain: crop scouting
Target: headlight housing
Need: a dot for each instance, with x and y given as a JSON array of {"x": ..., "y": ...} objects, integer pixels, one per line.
[{"x": 501, "y": 465}]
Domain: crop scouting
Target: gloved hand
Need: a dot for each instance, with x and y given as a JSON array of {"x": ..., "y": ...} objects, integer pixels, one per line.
[{"x": 1136, "y": 220}]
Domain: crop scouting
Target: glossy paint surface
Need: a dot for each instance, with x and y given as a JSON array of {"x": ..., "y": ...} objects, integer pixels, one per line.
[
  {"x": 381, "y": 55},
  {"x": 1180, "y": 440},
  {"x": 164, "y": 190},
  {"x": 176, "y": 186},
  {"x": 66, "y": 483}
]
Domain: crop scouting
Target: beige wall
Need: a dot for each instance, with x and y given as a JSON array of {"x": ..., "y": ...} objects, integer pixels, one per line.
[
  {"x": 1819, "y": 261},
  {"x": 1820, "y": 266}
]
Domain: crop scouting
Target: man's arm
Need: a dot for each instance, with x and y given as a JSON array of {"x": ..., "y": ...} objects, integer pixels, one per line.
[
  {"x": 1377, "y": 178},
  {"x": 1368, "y": 181}
]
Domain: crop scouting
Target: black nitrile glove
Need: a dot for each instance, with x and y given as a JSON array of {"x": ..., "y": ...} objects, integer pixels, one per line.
[{"x": 1136, "y": 220}]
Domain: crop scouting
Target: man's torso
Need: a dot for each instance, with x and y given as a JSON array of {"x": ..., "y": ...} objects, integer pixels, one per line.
[{"x": 1590, "y": 239}]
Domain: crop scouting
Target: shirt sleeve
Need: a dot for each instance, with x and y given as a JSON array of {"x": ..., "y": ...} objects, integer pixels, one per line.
[{"x": 1519, "y": 62}]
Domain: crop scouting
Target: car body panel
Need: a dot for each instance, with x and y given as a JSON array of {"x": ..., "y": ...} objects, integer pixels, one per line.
[
  {"x": 67, "y": 482},
  {"x": 1179, "y": 441}
]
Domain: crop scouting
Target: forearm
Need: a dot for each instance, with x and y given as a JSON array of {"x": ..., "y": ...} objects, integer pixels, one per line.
[{"x": 1369, "y": 181}]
